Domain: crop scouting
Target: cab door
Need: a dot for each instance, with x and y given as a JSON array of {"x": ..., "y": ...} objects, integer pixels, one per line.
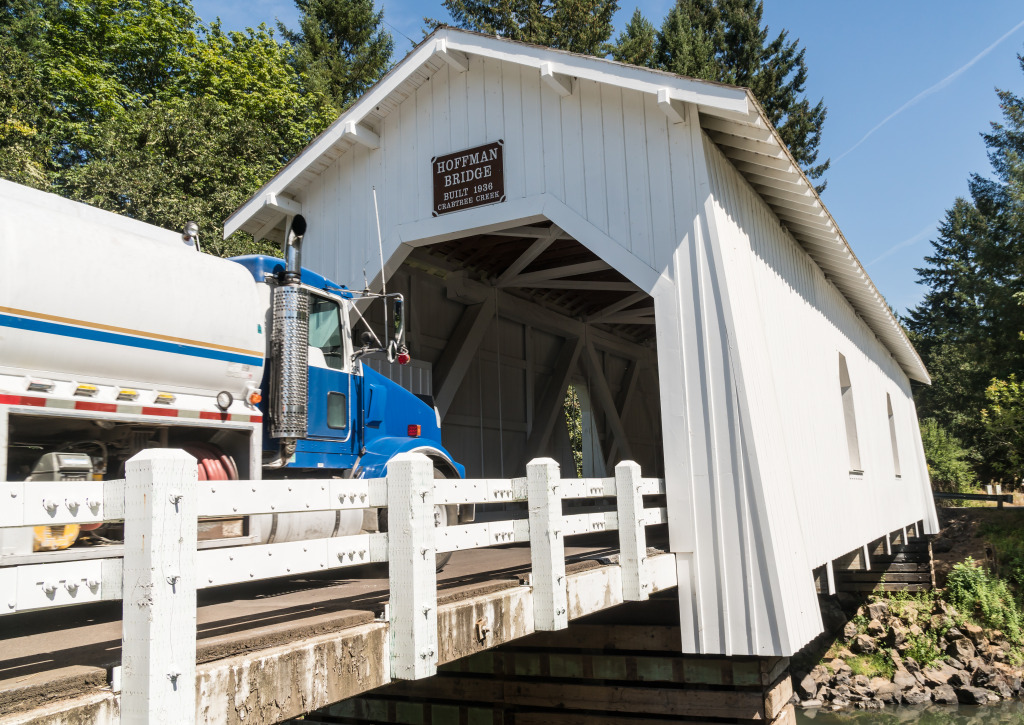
[{"x": 332, "y": 394}]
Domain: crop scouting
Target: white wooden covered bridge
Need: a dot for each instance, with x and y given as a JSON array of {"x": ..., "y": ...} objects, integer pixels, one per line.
[{"x": 555, "y": 220}]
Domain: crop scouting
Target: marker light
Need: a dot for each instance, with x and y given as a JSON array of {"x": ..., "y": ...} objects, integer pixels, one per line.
[
  {"x": 127, "y": 394},
  {"x": 255, "y": 397},
  {"x": 414, "y": 431},
  {"x": 164, "y": 398},
  {"x": 403, "y": 358},
  {"x": 86, "y": 390},
  {"x": 38, "y": 385},
  {"x": 224, "y": 400}
]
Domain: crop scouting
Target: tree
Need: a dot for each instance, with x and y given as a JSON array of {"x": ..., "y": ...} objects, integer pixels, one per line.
[
  {"x": 636, "y": 44},
  {"x": 1004, "y": 423},
  {"x": 579, "y": 26},
  {"x": 968, "y": 325},
  {"x": 341, "y": 47},
  {"x": 24, "y": 149},
  {"x": 136, "y": 107},
  {"x": 200, "y": 155},
  {"x": 726, "y": 41},
  {"x": 949, "y": 463},
  {"x": 97, "y": 57}
]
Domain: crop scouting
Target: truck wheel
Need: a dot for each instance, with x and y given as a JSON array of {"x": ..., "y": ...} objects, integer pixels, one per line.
[{"x": 442, "y": 515}]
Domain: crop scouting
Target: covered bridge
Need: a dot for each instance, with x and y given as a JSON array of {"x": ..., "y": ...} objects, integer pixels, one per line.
[{"x": 556, "y": 219}]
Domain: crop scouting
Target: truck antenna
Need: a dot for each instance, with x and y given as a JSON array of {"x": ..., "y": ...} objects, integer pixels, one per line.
[{"x": 380, "y": 245}]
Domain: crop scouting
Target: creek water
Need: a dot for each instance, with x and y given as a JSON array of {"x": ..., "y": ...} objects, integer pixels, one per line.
[{"x": 1010, "y": 711}]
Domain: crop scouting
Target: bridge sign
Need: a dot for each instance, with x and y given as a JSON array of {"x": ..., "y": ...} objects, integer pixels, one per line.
[{"x": 464, "y": 179}]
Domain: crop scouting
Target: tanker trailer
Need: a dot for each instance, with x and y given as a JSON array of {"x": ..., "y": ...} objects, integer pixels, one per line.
[{"x": 116, "y": 336}]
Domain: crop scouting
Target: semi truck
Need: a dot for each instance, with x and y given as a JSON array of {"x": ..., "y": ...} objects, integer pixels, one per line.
[{"x": 116, "y": 336}]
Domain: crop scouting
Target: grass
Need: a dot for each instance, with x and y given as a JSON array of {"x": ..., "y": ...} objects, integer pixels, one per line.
[{"x": 876, "y": 664}]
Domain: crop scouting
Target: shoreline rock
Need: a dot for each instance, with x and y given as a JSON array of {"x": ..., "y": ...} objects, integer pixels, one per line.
[{"x": 966, "y": 664}]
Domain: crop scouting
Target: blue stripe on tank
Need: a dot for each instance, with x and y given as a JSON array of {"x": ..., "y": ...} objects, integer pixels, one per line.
[{"x": 114, "y": 338}]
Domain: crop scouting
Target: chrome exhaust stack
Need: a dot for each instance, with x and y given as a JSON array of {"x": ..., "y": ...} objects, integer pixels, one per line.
[{"x": 290, "y": 347}]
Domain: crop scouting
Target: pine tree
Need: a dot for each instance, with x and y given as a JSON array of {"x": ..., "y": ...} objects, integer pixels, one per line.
[
  {"x": 685, "y": 45},
  {"x": 726, "y": 41},
  {"x": 968, "y": 327},
  {"x": 635, "y": 45},
  {"x": 341, "y": 47},
  {"x": 579, "y": 26}
]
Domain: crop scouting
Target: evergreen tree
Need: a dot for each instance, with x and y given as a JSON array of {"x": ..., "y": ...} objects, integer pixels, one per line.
[
  {"x": 685, "y": 45},
  {"x": 341, "y": 47},
  {"x": 635, "y": 45},
  {"x": 968, "y": 327},
  {"x": 579, "y": 26},
  {"x": 726, "y": 41}
]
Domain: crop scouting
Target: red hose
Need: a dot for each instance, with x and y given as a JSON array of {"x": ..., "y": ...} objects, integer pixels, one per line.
[{"x": 214, "y": 464}]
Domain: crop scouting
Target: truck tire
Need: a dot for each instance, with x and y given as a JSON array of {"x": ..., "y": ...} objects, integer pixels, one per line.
[{"x": 443, "y": 515}]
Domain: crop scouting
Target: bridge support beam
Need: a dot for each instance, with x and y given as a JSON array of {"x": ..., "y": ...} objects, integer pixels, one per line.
[
  {"x": 599, "y": 673},
  {"x": 900, "y": 561}
]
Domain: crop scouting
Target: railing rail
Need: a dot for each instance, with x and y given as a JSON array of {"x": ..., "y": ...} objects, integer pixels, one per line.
[
  {"x": 160, "y": 502},
  {"x": 1001, "y": 498}
]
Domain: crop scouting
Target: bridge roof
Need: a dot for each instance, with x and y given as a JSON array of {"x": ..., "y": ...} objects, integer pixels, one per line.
[{"x": 730, "y": 116}]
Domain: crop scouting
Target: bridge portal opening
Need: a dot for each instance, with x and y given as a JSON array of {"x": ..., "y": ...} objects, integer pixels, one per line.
[{"x": 531, "y": 345}]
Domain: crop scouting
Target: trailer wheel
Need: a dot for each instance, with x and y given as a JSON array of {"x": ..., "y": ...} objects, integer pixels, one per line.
[{"x": 443, "y": 514}]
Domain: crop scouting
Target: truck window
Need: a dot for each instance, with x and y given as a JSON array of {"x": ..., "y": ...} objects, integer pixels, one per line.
[{"x": 325, "y": 331}]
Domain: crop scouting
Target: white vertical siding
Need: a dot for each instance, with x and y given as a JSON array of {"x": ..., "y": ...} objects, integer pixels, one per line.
[{"x": 807, "y": 325}]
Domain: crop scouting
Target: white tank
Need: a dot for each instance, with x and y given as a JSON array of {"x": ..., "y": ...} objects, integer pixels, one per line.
[{"x": 99, "y": 298}]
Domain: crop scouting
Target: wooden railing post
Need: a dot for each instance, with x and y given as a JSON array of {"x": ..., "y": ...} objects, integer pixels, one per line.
[
  {"x": 547, "y": 546},
  {"x": 158, "y": 650},
  {"x": 629, "y": 502},
  {"x": 412, "y": 564}
]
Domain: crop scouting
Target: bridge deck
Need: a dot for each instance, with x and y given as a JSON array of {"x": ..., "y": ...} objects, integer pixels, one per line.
[{"x": 260, "y": 645}]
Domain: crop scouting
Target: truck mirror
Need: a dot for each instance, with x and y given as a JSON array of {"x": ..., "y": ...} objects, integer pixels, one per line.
[{"x": 399, "y": 321}]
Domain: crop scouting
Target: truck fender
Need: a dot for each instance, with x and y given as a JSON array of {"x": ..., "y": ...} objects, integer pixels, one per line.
[{"x": 374, "y": 463}]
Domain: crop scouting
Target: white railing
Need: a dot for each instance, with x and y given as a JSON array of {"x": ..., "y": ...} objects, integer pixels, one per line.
[{"x": 160, "y": 502}]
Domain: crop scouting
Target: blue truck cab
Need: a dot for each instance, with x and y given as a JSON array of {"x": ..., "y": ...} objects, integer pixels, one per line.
[{"x": 356, "y": 418}]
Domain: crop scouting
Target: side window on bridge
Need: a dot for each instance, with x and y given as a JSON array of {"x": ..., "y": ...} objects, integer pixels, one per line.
[
  {"x": 849, "y": 416},
  {"x": 892, "y": 437}
]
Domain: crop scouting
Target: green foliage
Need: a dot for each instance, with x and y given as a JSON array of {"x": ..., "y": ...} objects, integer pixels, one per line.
[
  {"x": 985, "y": 599},
  {"x": 137, "y": 107},
  {"x": 686, "y": 45},
  {"x": 877, "y": 664},
  {"x": 924, "y": 648},
  {"x": 1004, "y": 423},
  {"x": 24, "y": 115},
  {"x": 968, "y": 327},
  {"x": 95, "y": 58},
  {"x": 948, "y": 461},
  {"x": 341, "y": 47},
  {"x": 1007, "y": 541},
  {"x": 579, "y": 26},
  {"x": 636, "y": 44},
  {"x": 574, "y": 420}
]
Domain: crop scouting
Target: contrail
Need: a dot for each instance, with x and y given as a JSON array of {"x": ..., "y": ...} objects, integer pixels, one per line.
[
  {"x": 934, "y": 89},
  {"x": 923, "y": 234}
]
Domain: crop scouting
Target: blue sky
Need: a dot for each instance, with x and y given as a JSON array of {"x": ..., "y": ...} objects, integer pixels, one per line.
[{"x": 909, "y": 87}]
